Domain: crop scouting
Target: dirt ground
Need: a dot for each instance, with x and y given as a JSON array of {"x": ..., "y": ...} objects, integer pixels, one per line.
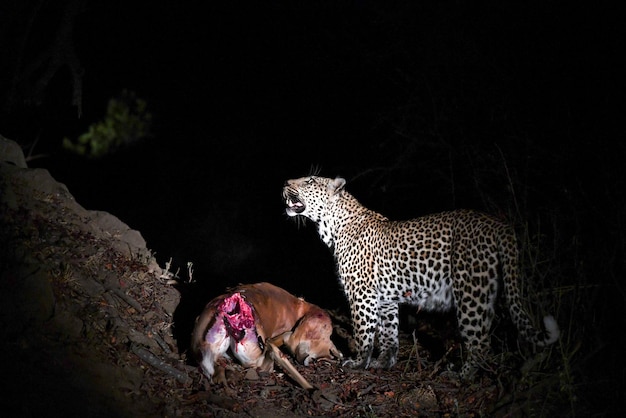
[{"x": 89, "y": 328}]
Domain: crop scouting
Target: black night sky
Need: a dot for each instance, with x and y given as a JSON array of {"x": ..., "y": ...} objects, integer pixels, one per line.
[{"x": 422, "y": 106}]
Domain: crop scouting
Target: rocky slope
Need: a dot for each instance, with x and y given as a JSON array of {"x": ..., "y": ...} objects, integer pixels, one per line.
[{"x": 85, "y": 311}]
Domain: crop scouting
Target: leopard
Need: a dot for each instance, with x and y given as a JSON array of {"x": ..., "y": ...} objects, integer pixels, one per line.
[{"x": 453, "y": 260}]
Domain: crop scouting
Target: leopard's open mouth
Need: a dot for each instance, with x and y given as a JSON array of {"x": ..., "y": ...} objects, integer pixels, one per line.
[{"x": 294, "y": 205}]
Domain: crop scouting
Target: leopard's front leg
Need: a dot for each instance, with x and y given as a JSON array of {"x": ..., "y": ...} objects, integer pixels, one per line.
[
  {"x": 364, "y": 311},
  {"x": 388, "y": 343}
]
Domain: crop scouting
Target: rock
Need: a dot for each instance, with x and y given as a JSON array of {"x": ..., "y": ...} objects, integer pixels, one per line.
[
  {"x": 34, "y": 188},
  {"x": 26, "y": 299},
  {"x": 75, "y": 287},
  {"x": 11, "y": 153},
  {"x": 251, "y": 374}
]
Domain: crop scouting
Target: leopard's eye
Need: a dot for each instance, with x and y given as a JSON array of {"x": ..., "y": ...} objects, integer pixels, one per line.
[{"x": 310, "y": 180}]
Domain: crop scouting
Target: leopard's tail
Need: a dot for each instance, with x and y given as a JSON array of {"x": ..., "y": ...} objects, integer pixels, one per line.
[{"x": 510, "y": 273}]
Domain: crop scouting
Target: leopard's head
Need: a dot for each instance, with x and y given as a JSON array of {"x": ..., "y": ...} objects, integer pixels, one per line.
[{"x": 310, "y": 196}]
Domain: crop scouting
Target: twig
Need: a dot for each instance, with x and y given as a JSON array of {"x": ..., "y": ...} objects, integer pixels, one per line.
[
  {"x": 166, "y": 274},
  {"x": 437, "y": 365},
  {"x": 157, "y": 363},
  {"x": 417, "y": 356},
  {"x": 130, "y": 301},
  {"x": 156, "y": 337},
  {"x": 190, "y": 271}
]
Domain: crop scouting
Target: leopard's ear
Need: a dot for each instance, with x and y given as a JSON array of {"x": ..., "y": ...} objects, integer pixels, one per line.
[{"x": 336, "y": 185}]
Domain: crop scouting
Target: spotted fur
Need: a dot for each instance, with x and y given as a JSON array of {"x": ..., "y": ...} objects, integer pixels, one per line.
[{"x": 450, "y": 260}]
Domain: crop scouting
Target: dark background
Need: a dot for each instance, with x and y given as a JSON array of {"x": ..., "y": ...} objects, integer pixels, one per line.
[{"x": 515, "y": 108}]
